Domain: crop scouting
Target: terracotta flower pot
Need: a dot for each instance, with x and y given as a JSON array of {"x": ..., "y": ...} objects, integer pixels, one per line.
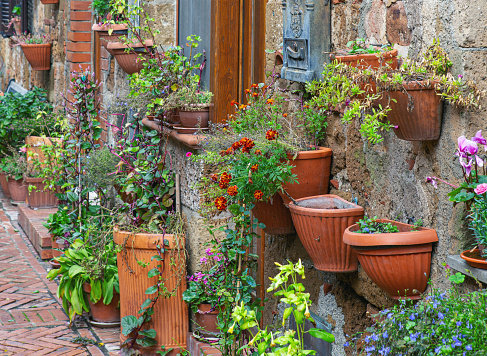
[
  {"x": 129, "y": 61},
  {"x": 320, "y": 222},
  {"x": 313, "y": 171},
  {"x": 423, "y": 122},
  {"x": 4, "y": 185},
  {"x": 274, "y": 215},
  {"x": 119, "y": 31},
  {"x": 172, "y": 117},
  {"x": 369, "y": 60},
  {"x": 206, "y": 320},
  {"x": 171, "y": 314},
  {"x": 104, "y": 313},
  {"x": 45, "y": 2},
  {"x": 38, "y": 55},
  {"x": 17, "y": 189},
  {"x": 474, "y": 258},
  {"x": 194, "y": 119},
  {"x": 399, "y": 263},
  {"x": 40, "y": 198}
]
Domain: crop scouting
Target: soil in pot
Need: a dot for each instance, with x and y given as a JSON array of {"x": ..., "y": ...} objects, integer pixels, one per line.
[
  {"x": 474, "y": 258},
  {"x": 274, "y": 215},
  {"x": 416, "y": 114},
  {"x": 313, "y": 171},
  {"x": 171, "y": 322},
  {"x": 4, "y": 185},
  {"x": 38, "y": 55},
  {"x": 192, "y": 119},
  {"x": 206, "y": 321},
  {"x": 104, "y": 313},
  {"x": 320, "y": 222},
  {"x": 399, "y": 263},
  {"x": 17, "y": 189}
]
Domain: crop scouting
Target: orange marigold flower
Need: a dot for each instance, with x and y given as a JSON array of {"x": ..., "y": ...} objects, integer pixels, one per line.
[
  {"x": 284, "y": 115},
  {"x": 254, "y": 86},
  {"x": 255, "y": 94},
  {"x": 306, "y": 106},
  {"x": 221, "y": 203},
  {"x": 258, "y": 152},
  {"x": 233, "y": 102},
  {"x": 229, "y": 151},
  {"x": 214, "y": 177},
  {"x": 264, "y": 87},
  {"x": 271, "y": 135},
  {"x": 232, "y": 191},
  {"x": 270, "y": 101},
  {"x": 243, "y": 106},
  {"x": 223, "y": 185},
  {"x": 223, "y": 153},
  {"x": 258, "y": 195},
  {"x": 247, "y": 91},
  {"x": 236, "y": 145},
  {"x": 225, "y": 177},
  {"x": 254, "y": 168}
]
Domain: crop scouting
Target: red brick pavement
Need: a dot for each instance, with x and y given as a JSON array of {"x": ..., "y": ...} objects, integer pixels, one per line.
[{"x": 32, "y": 321}]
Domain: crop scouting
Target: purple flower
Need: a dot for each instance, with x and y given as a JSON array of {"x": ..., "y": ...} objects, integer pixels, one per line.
[
  {"x": 432, "y": 180},
  {"x": 208, "y": 252},
  {"x": 460, "y": 76},
  {"x": 467, "y": 166},
  {"x": 469, "y": 347},
  {"x": 466, "y": 146},
  {"x": 440, "y": 315},
  {"x": 479, "y": 139},
  {"x": 203, "y": 260}
]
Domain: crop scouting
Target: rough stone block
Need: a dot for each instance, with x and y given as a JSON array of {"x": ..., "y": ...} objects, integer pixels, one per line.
[
  {"x": 397, "y": 25},
  {"x": 375, "y": 22},
  {"x": 469, "y": 23}
]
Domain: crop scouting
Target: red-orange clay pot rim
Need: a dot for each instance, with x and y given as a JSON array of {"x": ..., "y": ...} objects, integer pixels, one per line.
[
  {"x": 35, "y": 45},
  {"x": 422, "y": 236},
  {"x": 357, "y": 210},
  {"x": 105, "y": 28},
  {"x": 418, "y": 85},
  {"x": 356, "y": 57},
  {"x": 474, "y": 262},
  {"x": 144, "y": 241},
  {"x": 318, "y": 153},
  {"x": 120, "y": 45}
]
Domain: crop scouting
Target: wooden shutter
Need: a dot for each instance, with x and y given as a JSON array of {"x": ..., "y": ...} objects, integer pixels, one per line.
[{"x": 6, "y": 7}]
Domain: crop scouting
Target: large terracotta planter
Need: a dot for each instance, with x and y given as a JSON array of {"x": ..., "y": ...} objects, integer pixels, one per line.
[
  {"x": 170, "y": 319},
  {"x": 194, "y": 119},
  {"x": 399, "y": 263},
  {"x": 320, "y": 222},
  {"x": 17, "y": 189},
  {"x": 104, "y": 313},
  {"x": 118, "y": 31},
  {"x": 313, "y": 171},
  {"x": 274, "y": 215},
  {"x": 423, "y": 122},
  {"x": 369, "y": 60},
  {"x": 206, "y": 320},
  {"x": 4, "y": 184},
  {"x": 38, "y": 55},
  {"x": 130, "y": 60},
  {"x": 40, "y": 198}
]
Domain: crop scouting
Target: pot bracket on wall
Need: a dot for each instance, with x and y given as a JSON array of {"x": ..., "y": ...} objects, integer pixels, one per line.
[{"x": 306, "y": 38}]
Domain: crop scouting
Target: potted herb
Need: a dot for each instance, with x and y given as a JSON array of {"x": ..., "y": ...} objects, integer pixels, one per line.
[
  {"x": 380, "y": 244},
  {"x": 320, "y": 222},
  {"x": 37, "y": 50},
  {"x": 109, "y": 28}
]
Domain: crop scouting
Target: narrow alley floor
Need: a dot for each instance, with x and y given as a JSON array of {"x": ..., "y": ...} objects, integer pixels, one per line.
[{"x": 32, "y": 321}]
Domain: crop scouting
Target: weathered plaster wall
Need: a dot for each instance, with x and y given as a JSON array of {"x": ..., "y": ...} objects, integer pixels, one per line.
[{"x": 389, "y": 179}]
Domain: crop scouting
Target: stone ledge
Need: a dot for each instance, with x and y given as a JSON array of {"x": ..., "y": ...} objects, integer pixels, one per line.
[
  {"x": 459, "y": 264},
  {"x": 198, "y": 348},
  {"x": 32, "y": 222},
  {"x": 192, "y": 141}
]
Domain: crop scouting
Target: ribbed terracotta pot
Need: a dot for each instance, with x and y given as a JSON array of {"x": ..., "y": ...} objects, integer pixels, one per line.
[
  {"x": 170, "y": 319},
  {"x": 313, "y": 171},
  {"x": 194, "y": 119},
  {"x": 320, "y": 222},
  {"x": 206, "y": 320},
  {"x": 17, "y": 189},
  {"x": 274, "y": 215},
  {"x": 45, "y": 2},
  {"x": 104, "y": 313},
  {"x": 172, "y": 117},
  {"x": 118, "y": 31},
  {"x": 399, "y": 263},
  {"x": 40, "y": 198},
  {"x": 38, "y": 55},
  {"x": 423, "y": 122},
  {"x": 4, "y": 184},
  {"x": 130, "y": 61}
]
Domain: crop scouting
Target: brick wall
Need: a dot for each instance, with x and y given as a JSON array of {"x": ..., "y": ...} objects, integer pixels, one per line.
[{"x": 78, "y": 47}]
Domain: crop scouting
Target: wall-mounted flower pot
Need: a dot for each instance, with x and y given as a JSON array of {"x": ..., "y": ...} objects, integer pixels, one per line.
[
  {"x": 101, "y": 313},
  {"x": 474, "y": 258},
  {"x": 40, "y": 198},
  {"x": 118, "y": 32},
  {"x": 172, "y": 117},
  {"x": 369, "y": 60},
  {"x": 399, "y": 263},
  {"x": 17, "y": 188},
  {"x": 38, "y": 55},
  {"x": 194, "y": 119},
  {"x": 320, "y": 222},
  {"x": 170, "y": 319},
  {"x": 128, "y": 56},
  {"x": 274, "y": 215},
  {"x": 313, "y": 171},
  {"x": 206, "y": 320},
  {"x": 417, "y": 113},
  {"x": 46, "y": 2},
  {"x": 4, "y": 185}
]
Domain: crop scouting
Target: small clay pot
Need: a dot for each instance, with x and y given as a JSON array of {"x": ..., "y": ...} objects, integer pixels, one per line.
[
  {"x": 17, "y": 188},
  {"x": 474, "y": 258},
  {"x": 274, "y": 215},
  {"x": 129, "y": 61},
  {"x": 38, "y": 55},
  {"x": 104, "y": 313},
  {"x": 369, "y": 60},
  {"x": 192, "y": 119},
  {"x": 206, "y": 321},
  {"x": 4, "y": 185},
  {"x": 118, "y": 32},
  {"x": 46, "y": 2}
]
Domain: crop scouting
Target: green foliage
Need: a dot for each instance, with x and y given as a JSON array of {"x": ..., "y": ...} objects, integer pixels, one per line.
[
  {"x": 100, "y": 8},
  {"x": 17, "y": 11},
  {"x": 14, "y": 165},
  {"x": 372, "y": 226},
  {"x": 285, "y": 286},
  {"x": 478, "y": 219},
  {"x": 100, "y": 168},
  {"x": 359, "y": 46},
  {"x": 24, "y": 115},
  {"x": 187, "y": 97}
]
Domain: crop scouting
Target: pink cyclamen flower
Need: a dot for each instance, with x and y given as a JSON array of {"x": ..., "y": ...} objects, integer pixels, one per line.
[
  {"x": 203, "y": 260},
  {"x": 481, "y": 188},
  {"x": 466, "y": 146},
  {"x": 467, "y": 166},
  {"x": 432, "y": 180},
  {"x": 208, "y": 252},
  {"x": 23, "y": 149},
  {"x": 480, "y": 139},
  {"x": 189, "y": 154}
]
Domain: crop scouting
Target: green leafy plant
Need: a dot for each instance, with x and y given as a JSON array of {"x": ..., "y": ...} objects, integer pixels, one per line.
[
  {"x": 15, "y": 165},
  {"x": 16, "y": 11},
  {"x": 359, "y": 46},
  {"x": 372, "y": 226},
  {"x": 285, "y": 286},
  {"x": 100, "y": 8},
  {"x": 478, "y": 220}
]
